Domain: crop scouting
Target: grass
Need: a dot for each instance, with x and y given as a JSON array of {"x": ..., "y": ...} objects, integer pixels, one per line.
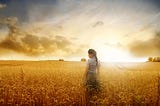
[{"x": 54, "y": 83}]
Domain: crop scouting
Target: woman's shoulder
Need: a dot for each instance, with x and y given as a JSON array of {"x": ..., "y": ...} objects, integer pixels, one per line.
[{"x": 91, "y": 61}]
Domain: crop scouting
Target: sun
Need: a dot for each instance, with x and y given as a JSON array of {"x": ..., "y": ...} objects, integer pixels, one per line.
[{"x": 110, "y": 54}]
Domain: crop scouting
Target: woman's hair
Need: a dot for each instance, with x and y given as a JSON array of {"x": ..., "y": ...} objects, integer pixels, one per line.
[{"x": 92, "y": 51}]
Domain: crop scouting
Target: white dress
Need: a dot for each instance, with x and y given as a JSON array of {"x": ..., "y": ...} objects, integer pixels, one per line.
[
  {"x": 92, "y": 65},
  {"x": 91, "y": 80}
]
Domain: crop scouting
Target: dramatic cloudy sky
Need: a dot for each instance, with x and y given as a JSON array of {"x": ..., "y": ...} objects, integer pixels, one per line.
[{"x": 51, "y": 29}]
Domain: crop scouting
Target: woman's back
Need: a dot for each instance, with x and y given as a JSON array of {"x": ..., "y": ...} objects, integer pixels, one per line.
[{"x": 92, "y": 65}]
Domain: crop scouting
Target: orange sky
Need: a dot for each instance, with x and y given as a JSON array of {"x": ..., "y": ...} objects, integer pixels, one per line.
[{"x": 118, "y": 30}]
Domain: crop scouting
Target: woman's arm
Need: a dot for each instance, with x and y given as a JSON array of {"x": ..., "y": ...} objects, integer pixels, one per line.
[
  {"x": 98, "y": 68},
  {"x": 86, "y": 70}
]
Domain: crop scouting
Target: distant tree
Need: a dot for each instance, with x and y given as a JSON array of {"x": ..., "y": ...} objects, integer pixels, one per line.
[
  {"x": 150, "y": 59},
  {"x": 83, "y": 59},
  {"x": 61, "y": 59},
  {"x": 156, "y": 59}
]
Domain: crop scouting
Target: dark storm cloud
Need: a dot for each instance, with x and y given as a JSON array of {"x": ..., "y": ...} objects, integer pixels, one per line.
[
  {"x": 2, "y": 6},
  {"x": 150, "y": 47},
  {"x": 156, "y": 3},
  {"x": 39, "y": 10},
  {"x": 4, "y": 1},
  {"x": 15, "y": 8},
  {"x": 21, "y": 8}
]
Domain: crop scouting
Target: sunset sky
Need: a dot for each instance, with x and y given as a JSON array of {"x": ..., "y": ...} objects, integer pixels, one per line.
[{"x": 119, "y": 30}]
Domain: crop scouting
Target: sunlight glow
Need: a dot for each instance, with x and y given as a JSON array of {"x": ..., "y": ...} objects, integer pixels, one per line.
[{"x": 111, "y": 54}]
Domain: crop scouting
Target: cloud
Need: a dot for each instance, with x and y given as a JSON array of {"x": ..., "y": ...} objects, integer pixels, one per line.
[
  {"x": 69, "y": 27},
  {"x": 29, "y": 44},
  {"x": 98, "y": 23},
  {"x": 150, "y": 47},
  {"x": 116, "y": 45},
  {"x": 3, "y": 6}
]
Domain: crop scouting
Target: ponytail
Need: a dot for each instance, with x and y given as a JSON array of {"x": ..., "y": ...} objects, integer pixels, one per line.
[
  {"x": 92, "y": 51},
  {"x": 96, "y": 60}
]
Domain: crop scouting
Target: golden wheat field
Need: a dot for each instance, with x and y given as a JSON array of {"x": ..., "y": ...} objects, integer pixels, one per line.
[{"x": 60, "y": 83}]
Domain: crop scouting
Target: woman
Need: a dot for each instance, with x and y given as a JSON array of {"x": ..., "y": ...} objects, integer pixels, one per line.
[{"x": 92, "y": 72}]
